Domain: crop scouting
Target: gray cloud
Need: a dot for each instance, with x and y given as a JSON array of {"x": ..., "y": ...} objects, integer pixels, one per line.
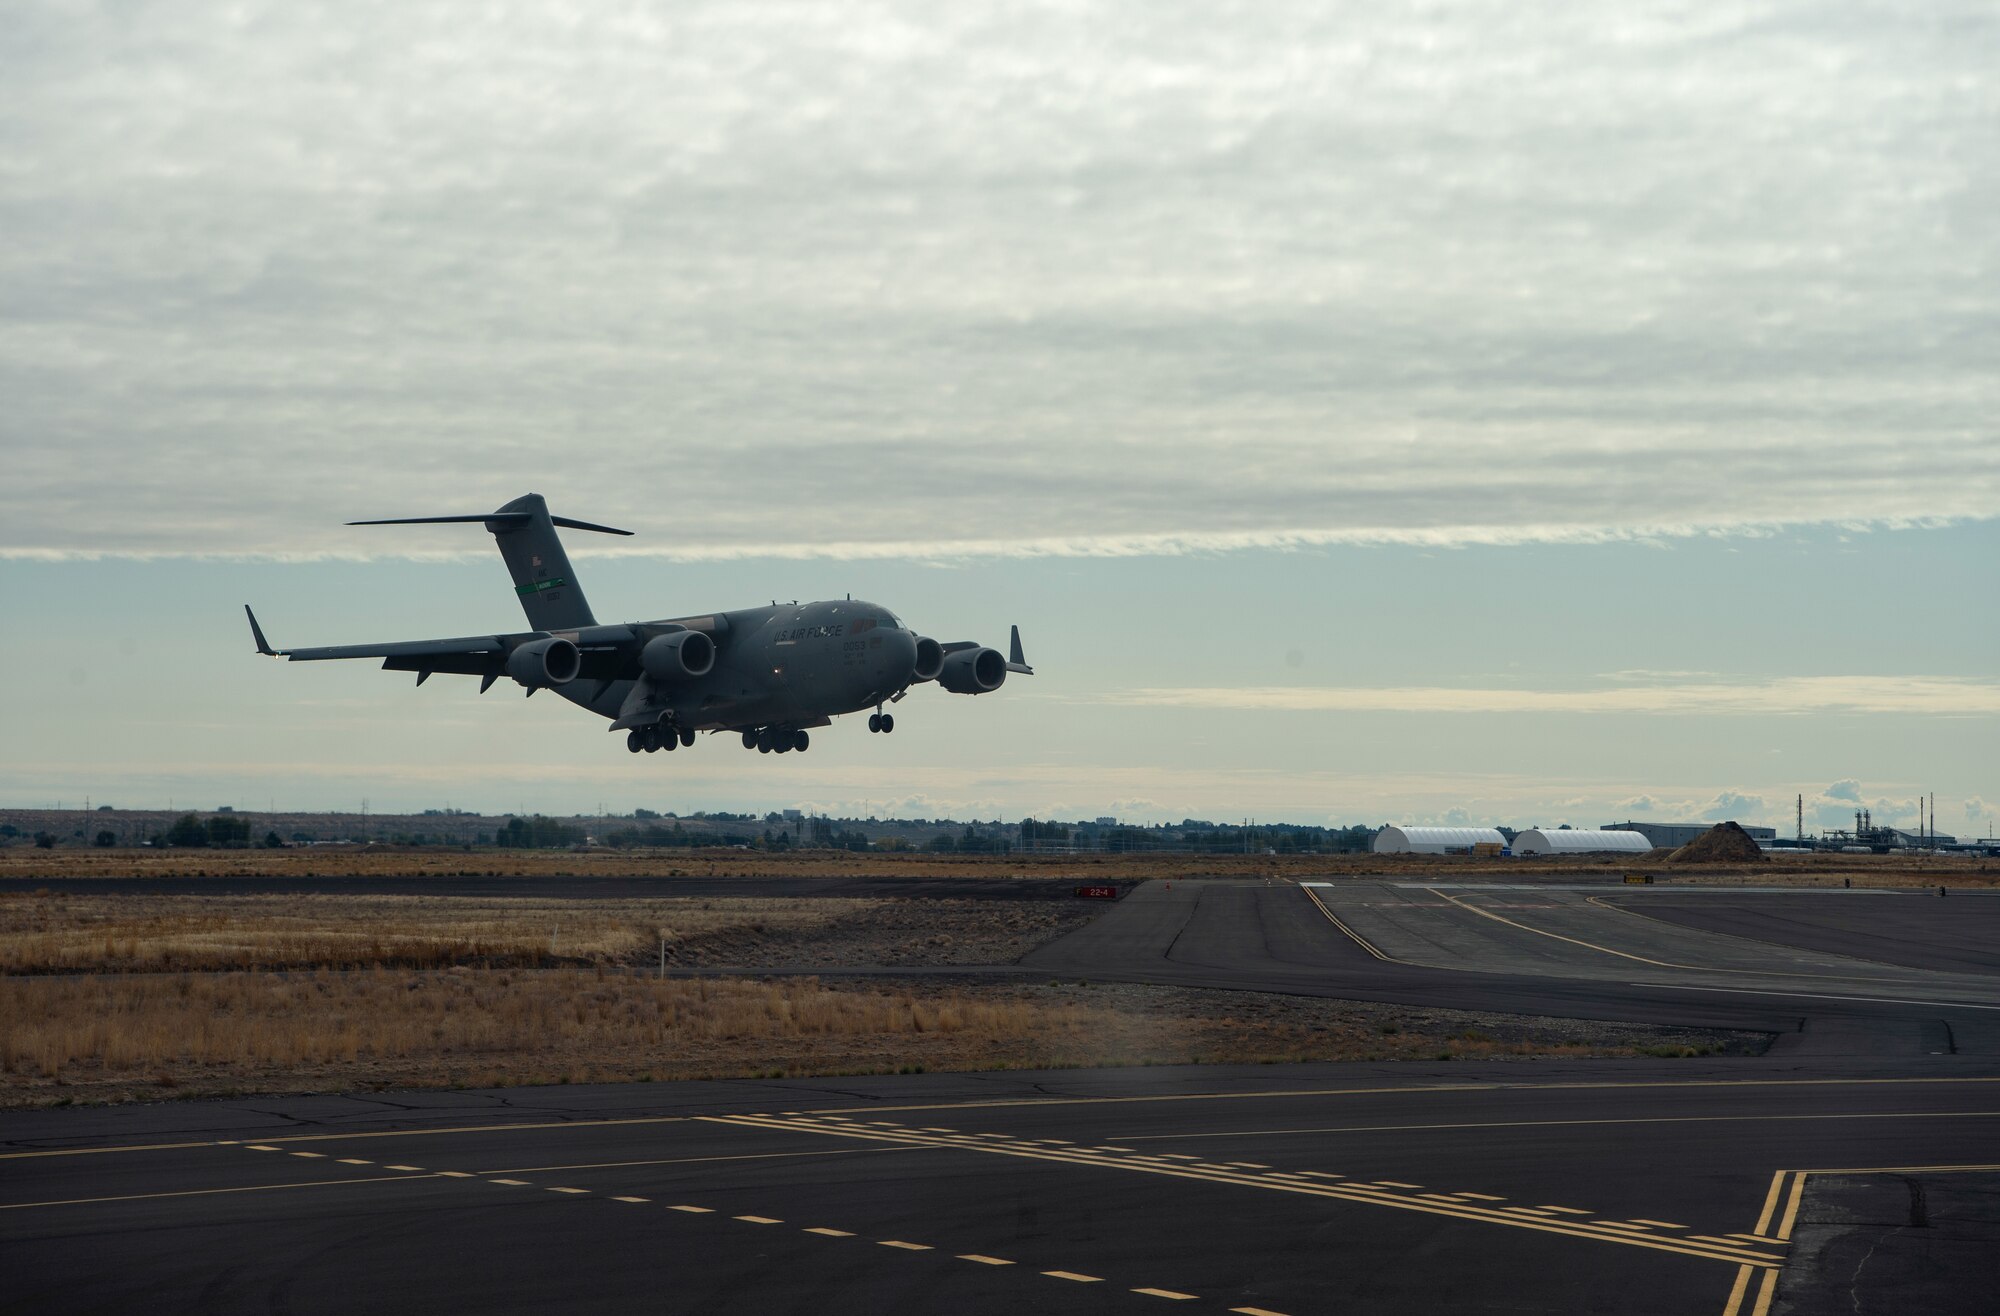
[{"x": 872, "y": 280}]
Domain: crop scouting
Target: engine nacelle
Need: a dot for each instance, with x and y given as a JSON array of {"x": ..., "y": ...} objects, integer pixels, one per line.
[
  {"x": 973, "y": 672},
  {"x": 554, "y": 661},
  {"x": 930, "y": 659},
  {"x": 678, "y": 656}
]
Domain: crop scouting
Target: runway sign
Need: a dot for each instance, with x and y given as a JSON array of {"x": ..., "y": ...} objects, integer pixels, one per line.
[{"x": 1097, "y": 893}]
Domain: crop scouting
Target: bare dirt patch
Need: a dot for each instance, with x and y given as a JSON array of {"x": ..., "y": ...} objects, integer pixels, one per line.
[{"x": 132, "y": 1038}]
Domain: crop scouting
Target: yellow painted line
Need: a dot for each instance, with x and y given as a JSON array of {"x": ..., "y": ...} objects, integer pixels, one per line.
[
  {"x": 455, "y": 1174},
  {"x": 399, "y": 1167},
  {"x": 1668, "y": 1224},
  {"x": 1587, "y": 945},
  {"x": 631, "y": 1199},
  {"x": 824, "y": 1232},
  {"x": 349, "y": 1160},
  {"x": 940, "y": 1130},
  {"x": 1766, "y": 1290},
  {"x": 1346, "y": 1192},
  {"x": 1352, "y": 935},
  {"x": 694, "y": 1210},
  {"x": 1249, "y": 1165},
  {"x": 983, "y": 1260},
  {"x": 1255, "y": 1311},
  {"x": 1734, "y": 1306},
  {"x": 1618, "y": 1224},
  {"x": 1421, "y": 1089},
  {"x": 907, "y": 1247},
  {"x": 259, "y": 1148},
  {"x": 1392, "y": 1183},
  {"x": 1464, "y": 1125},
  {"x": 1168, "y": 1294},
  {"x": 1073, "y": 1277},
  {"x": 1566, "y": 1210},
  {"x": 316, "y": 1156},
  {"x": 1714, "y": 1238},
  {"x": 569, "y": 1190},
  {"x": 1770, "y": 1203},
  {"x": 1750, "y": 1238},
  {"x": 691, "y": 1160},
  {"x": 1173, "y": 1156},
  {"x": 758, "y": 1219},
  {"x": 512, "y": 1183},
  {"x": 1792, "y": 1206},
  {"x": 203, "y": 1192},
  {"x": 1482, "y": 1197}
]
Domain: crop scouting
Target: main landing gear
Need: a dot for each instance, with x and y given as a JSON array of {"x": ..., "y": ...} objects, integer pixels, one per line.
[
  {"x": 657, "y": 737},
  {"x": 776, "y": 740},
  {"x": 882, "y": 722}
]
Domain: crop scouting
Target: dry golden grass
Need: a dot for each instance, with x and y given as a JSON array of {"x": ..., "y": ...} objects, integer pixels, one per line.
[
  {"x": 98, "y": 1039},
  {"x": 60, "y": 933}
]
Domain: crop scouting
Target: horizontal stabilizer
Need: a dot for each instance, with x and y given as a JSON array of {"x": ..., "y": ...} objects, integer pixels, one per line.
[{"x": 508, "y": 520}]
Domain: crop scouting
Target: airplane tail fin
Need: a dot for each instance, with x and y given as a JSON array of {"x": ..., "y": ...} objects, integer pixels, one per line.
[{"x": 543, "y": 579}]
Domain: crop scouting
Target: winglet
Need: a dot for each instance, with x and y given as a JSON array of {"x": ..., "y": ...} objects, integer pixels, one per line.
[
  {"x": 257, "y": 632},
  {"x": 1015, "y": 662}
]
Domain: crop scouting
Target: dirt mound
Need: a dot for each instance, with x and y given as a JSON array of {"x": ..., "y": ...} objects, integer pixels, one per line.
[{"x": 1724, "y": 843}]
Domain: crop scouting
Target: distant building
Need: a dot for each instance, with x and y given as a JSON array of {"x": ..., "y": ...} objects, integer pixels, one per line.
[
  {"x": 1672, "y": 836},
  {"x": 1434, "y": 840},
  {"x": 1107, "y": 822},
  {"x": 1570, "y": 840},
  {"x": 1921, "y": 840}
]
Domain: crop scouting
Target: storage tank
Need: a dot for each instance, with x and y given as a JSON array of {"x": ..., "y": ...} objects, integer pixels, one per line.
[
  {"x": 1434, "y": 840},
  {"x": 1559, "y": 840}
]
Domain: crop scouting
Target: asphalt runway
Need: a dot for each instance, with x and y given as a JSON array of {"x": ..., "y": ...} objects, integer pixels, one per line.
[{"x": 1849, "y": 1169}]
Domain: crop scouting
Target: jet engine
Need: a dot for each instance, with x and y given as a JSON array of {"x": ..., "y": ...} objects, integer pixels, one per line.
[
  {"x": 678, "y": 656},
  {"x": 973, "y": 671},
  {"x": 930, "y": 659},
  {"x": 554, "y": 661}
]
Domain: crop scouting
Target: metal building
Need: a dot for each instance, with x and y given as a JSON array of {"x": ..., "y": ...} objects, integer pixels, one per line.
[
  {"x": 1561, "y": 840},
  {"x": 1668, "y": 836},
  {"x": 1434, "y": 840}
]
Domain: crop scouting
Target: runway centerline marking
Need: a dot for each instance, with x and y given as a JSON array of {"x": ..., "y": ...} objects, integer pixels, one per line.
[{"x": 1512, "y": 1217}]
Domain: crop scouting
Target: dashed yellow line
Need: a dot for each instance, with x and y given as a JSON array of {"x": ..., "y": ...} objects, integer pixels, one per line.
[
  {"x": 203, "y": 1192},
  {"x": 758, "y": 1219},
  {"x": 1168, "y": 1294},
  {"x": 824, "y": 1232},
  {"x": 1074, "y": 1277},
  {"x": 694, "y": 1210},
  {"x": 984, "y": 1260}
]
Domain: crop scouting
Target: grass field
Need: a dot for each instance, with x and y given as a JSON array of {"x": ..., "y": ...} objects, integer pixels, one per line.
[{"x": 99, "y": 1038}]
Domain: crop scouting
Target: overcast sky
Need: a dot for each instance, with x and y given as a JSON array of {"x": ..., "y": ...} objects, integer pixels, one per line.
[{"x": 1352, "y": 402}]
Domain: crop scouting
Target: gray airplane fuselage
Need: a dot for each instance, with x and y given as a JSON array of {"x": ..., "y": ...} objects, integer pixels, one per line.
[{"x": 793, "y": 664}]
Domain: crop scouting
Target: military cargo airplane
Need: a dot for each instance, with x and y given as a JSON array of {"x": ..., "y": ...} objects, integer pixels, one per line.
[{"x": 769, "y": 675}]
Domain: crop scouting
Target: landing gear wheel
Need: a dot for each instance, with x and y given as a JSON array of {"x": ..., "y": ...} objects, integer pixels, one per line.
[
  {"x": 874, "y": 722},
  {"x": 766, "y": 741},
  {"x": 687, "y": 738},
  {"x": 649, "y": 740},
  {"x": 888, "y": 723},
  {"x": 668, "y": 740},
  {"x": 634, "y": 741},
  {"x": 750, "y": 740},
  {"x": 802, "y": 742}
]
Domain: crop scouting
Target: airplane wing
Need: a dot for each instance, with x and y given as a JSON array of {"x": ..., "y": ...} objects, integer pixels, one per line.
[{"x": 599, "y": 648}]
